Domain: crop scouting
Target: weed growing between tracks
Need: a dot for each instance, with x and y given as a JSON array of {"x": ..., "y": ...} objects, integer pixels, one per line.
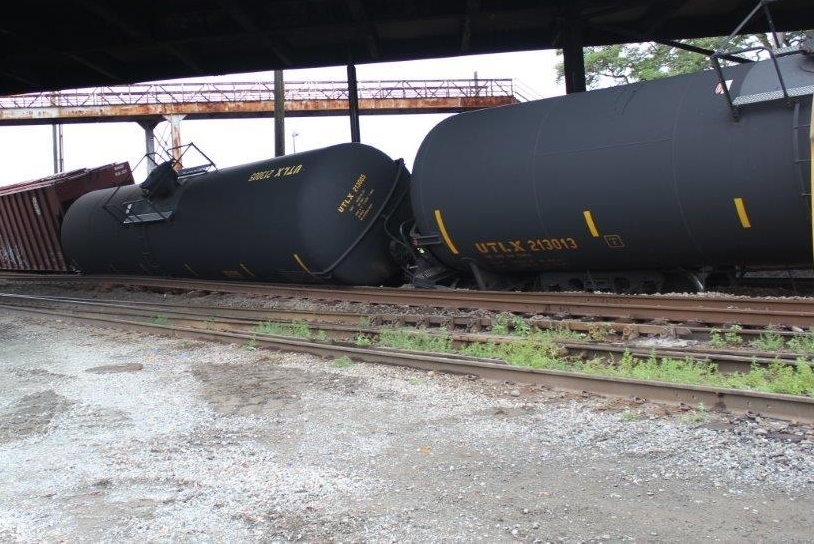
[
  {"x": 299, "y": 329},
  {"x": 422, "y": 341},
  {"x": 724, "y": 338},
  {"x": 342, "y": 362},
  {"x": 539, "y": 350},
  {"x": 802, "y": 343},
  {"x": 768, "y": 341},
  {"x": 776, "y": 378}
]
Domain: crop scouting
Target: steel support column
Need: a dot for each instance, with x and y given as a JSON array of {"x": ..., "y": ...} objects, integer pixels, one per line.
[
  {"x": 175, "y": 133},
  {"x": 59, "y": 151},
  {"x": 279, "y": 114},
  {"x": 149, "y": 142},
  {"x": 353, "y": 104},
  {"x": 573, "y": 56}
]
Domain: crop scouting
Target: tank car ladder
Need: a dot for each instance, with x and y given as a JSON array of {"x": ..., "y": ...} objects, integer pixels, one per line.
[
  {"x": 161, "y": 193},
  {"x": 161, "y": 190}
]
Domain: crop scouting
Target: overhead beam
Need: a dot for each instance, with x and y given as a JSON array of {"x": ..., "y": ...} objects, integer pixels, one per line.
[
  {"x": 25, "y": 81},
  {"x": 589, "y": 13},
  {"x": 670, "y": 43},
  {"x": 37, "y": 45},
  {"x": 140, "y": 35},
  {"x": 361, "y": 19},
  {"x": 236, "y": 11},
  {"x": 658, "y": 14},
  {"x": 472, "y": 9}
]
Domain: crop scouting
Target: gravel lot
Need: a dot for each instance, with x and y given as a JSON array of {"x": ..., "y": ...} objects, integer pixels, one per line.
[{"x": 112, "y": 436}]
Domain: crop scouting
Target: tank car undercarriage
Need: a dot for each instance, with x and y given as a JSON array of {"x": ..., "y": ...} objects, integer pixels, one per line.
[{"x": 429, "y": 273}]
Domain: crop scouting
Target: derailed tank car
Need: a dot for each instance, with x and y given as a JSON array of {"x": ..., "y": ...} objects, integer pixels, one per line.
[
  {"x": 625, "y": 188},
  {"x": 319, "y": 216}
]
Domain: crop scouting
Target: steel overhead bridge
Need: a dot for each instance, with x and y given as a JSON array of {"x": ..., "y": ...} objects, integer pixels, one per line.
[{"x": 149, "y": 101}]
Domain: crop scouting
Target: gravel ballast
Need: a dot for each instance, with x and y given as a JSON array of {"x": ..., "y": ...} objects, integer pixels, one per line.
[{"x": 114, "y": 436}]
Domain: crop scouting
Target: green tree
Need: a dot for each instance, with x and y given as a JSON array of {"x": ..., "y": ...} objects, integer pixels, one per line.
[{"x": 626, "y": 63}]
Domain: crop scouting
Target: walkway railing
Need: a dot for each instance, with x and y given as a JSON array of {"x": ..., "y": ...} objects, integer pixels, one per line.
[{"x": 218, "y": 92}]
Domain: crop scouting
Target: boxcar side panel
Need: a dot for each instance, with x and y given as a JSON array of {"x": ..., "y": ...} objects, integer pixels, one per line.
[{"x": 31, "y": 215}]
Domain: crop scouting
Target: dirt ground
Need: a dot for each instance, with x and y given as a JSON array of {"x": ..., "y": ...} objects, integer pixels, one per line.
[{"x": 112, "y": 436}]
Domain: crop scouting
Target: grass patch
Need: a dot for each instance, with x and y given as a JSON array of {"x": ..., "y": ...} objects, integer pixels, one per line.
[
  {"x": 699, "y": 415},
  {"x": 521, "y": 326},
  {"x": 802, "y": 343},
  {"x": 599, "y": 332},
  {"x": 505, "y": 324},
  {"x": 500, "y": 324},
  {"x": 563, "y": 332},
  {"x": 342, "y": 362},
  {"x": 363, "y": 340},
  {"x": 299, "y": 329},
  {"x": 768, "y": 341},
  {"x": 627, "y": 415},
  {"x": 417, "y": 340},
  {"x": 251, "y": 345},
  {"x": 721, "y": 338}
]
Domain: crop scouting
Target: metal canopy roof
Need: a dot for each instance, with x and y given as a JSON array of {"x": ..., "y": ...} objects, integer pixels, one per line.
[{"x": 53, "y": 45}]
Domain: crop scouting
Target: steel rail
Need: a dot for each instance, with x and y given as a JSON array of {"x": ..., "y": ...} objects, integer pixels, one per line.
[
  {"x": 758, "y": 312},
  {"x": 470, "y": 323},
  {"x": 787, "y": 407},
  {"x": 505, "y": 300},
  {"x": 383, "y": 294}
]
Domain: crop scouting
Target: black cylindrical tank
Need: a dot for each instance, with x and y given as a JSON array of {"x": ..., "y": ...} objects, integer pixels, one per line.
[
  {"x": 654, "y": 175},
  {"x": 321, "y": 215}
]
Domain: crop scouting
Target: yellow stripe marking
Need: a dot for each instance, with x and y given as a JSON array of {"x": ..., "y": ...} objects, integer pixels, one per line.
[
  {"x": 249, "y": 272},
  {"x": 444, "y": 233},
  {"x": 141, "y": 265},
  {"x": 302, "y": 265},
  {"x": 741, "y": 208},
  {"x": 189, "y": 268},
  {"x": 589, "y": 220}
]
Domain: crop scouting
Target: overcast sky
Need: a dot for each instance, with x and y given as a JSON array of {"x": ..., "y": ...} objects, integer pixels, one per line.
[{"x": 26, "y": 151}]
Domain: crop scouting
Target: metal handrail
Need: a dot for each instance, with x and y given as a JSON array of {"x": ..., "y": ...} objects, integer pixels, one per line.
[
  {"x": 774, "y": 53},
  {"x": 716, "y": 60}
]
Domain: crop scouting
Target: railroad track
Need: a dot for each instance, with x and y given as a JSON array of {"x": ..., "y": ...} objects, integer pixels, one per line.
[
  {"x": 347, "y": 326},
  {"x": 235, "y": 325},
  {"x": 693, "y": 310}
]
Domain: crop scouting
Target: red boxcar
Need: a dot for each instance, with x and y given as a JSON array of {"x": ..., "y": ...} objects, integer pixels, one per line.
[{"x": 31, "y": 215}]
